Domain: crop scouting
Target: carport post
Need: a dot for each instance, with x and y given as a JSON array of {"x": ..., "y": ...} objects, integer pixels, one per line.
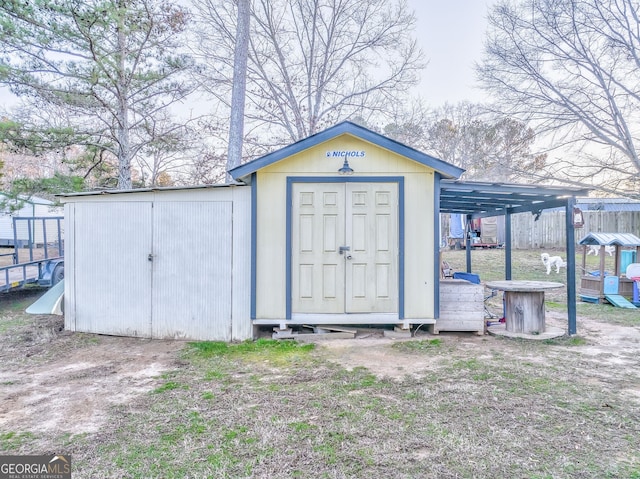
[
  {"x": 467, "y": 234},
  {"x": 571, "y": 266},
  {"x": 507, "y": 244}
]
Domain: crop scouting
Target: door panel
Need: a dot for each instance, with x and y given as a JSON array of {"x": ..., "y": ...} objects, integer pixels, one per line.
[
  {"x": 318, "y": 231},
  {"x": 192, "y": 248},
  {"x": 371, "y": 282},
  {"x": 114, "y": 281}
]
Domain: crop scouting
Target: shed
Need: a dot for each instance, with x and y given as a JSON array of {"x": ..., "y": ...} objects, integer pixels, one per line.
[
  {"x": 159, "y": 263},
  {"x": 592, "y": 283},
  {"x": 32, "y": 207},
  {"x": 338, "y": 228},
  {"x": 345, "y": 230}
]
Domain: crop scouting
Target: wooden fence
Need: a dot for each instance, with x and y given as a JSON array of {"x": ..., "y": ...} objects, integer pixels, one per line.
[{"x": 549, "y": 230}]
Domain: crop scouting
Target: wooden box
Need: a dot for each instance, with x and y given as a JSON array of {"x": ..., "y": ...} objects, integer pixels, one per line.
[{"x": 461, "y": 307}]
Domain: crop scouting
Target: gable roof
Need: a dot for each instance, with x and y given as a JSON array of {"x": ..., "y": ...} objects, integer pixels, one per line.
[
  {"x": 617, "y": 239},
  {"x": 447, "y": 170}
]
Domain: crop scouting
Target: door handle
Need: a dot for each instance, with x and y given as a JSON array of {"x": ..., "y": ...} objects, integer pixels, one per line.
[
  {"x": 342, "y": 249},
  {"x": 349, "y": 256}
]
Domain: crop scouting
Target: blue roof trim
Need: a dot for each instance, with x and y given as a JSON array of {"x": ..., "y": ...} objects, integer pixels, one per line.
[{"x": 346, "y": 127}]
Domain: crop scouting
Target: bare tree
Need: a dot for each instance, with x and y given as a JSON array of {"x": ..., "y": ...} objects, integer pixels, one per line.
[
  {"x": 208, "y": 167},
  {"x": 488, "y": 147},
  {"x": 168, "y": 149},
  {"x": 312, "y": 62},
  {"x": 572, "y": 68}
]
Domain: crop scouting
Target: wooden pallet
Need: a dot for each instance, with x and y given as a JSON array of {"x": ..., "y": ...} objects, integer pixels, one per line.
[{"x": 324, "y": 332}]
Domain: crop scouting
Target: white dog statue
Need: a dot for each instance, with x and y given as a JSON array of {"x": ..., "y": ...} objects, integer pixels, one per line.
[
  {"x": 595, "y": 249},
  {"x": 553, "y": 261}
]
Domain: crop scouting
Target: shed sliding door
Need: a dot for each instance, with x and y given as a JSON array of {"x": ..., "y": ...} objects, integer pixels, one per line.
[
  {"x": 192, "y": 270},
  {"x": 112, "y": 277},
  {"x": 160, "y": 270}
]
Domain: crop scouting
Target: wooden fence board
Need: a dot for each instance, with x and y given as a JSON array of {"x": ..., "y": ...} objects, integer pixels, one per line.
[{"x": 549, "y": 230}]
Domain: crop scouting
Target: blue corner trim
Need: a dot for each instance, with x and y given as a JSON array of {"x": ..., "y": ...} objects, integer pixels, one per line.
[
  {"x": 436, "y": 250},
  {"x": 288, "y": 251},
  {"x": 400, "y": 248}
]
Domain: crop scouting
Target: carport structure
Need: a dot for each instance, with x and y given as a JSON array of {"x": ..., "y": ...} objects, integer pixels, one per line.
[{"x": 487, "y": 199}]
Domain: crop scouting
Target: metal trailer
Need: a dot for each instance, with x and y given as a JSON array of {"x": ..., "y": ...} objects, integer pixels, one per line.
[{"x": 45, "y": 263}]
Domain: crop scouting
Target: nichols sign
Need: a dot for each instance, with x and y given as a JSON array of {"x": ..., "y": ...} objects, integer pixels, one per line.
[{"x": 345, "y": 154}]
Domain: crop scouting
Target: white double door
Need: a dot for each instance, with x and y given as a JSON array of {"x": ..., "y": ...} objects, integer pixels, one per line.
[
  {"x": 344, "y": 248},
  {"x": 161, "y": 271}
]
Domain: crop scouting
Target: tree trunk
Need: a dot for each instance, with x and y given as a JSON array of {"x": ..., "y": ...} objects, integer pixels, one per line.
[
  {"x": 122, "y": 114},
  {"x": 236, "y": 126}
]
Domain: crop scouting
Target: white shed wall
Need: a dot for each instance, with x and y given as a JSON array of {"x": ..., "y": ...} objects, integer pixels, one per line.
[{"x": 196, "y": 283}]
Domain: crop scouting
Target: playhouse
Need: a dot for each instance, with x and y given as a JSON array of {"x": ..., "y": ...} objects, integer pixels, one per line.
[{"x": 612, "y": 286}]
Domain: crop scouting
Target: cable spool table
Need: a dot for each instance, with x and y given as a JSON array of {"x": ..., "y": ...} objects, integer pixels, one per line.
[{"x": 524, "y": 304}]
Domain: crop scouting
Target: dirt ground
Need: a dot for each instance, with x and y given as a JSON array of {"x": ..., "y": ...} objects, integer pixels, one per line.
[
  {"x": 73, "y": 392},
  {"x": 60, "y": 382},
  {"x": 610, "y": 345}
]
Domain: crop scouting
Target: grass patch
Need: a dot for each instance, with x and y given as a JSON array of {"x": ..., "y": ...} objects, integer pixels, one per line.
[
  {"x": 567, "y": 341},
  {"x": 418, "y": 345},
  {"x": 169, "y": 386},
  {"x": 11, "y": 441},
  {"x": 18, "y": 300},
  {"x": 10, "y": 324},
  {"x": 546, "y": 420},
  {"x": 208, "y": 395},
  {"x": 262, "y": 350},
  {"x": 609, "y": 314}
]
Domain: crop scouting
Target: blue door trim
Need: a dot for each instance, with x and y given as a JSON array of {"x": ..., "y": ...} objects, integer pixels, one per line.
[{"x": 341, "y": 179}]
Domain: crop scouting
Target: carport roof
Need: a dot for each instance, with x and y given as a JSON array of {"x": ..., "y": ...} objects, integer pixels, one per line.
[{"x": 483, "y": 199}]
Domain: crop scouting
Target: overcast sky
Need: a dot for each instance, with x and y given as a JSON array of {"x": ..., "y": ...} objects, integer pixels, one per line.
[{"x": 451, "y": 34}]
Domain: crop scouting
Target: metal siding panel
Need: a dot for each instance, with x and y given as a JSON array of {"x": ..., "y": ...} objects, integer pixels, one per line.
[
  {"x": 192, "y": 270},
  {"x": 112, "y": 275},
  {"x": 241, "y": 325}
]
